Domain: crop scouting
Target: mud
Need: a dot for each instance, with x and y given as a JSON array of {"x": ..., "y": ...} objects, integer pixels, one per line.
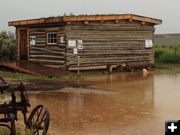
[{"x": 114, "y": 104}]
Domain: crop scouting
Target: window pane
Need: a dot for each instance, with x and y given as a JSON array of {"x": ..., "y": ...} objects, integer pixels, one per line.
[
  {"x": 49, "y": 40},
  {"x": 52, "y": 38},
  {"x": 55, "y": 40}
]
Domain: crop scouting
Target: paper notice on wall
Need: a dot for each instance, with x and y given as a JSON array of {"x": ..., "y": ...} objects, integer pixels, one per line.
[
  {"x": 148, "y": 43},
  {"x": 75, "y": 51},
  {"x": 32, "y": 40},
  {"x": 79, "y": 44},
  {"x": 61, "y": 40},
  {"x": 72, "y": 43}
]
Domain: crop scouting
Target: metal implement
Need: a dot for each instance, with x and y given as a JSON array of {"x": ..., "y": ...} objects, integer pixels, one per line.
[{"x": 38, "y": 120}]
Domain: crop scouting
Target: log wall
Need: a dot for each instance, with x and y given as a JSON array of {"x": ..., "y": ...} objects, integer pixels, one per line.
[
  {"x": 111, "y": 44},
  {"x": 51, "y": 55}
]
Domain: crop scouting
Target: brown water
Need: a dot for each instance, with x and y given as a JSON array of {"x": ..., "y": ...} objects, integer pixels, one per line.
[{"x": 117, "y": 104}]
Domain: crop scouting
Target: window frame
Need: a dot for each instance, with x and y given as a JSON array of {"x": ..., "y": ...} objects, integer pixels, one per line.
[{"x": 47, "y": 36}]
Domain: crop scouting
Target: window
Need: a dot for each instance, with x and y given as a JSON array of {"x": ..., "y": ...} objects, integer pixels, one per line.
[{"x": 52, "y": 38}]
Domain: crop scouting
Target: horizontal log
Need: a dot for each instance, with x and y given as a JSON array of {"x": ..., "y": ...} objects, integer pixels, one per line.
[
  {"x": 47, "y": 57},
  {"x": 37, "y": 33},
  {"x": 90, "y": 67},
  {"x": 45, "y": 53},
  {"x": 107, "y": 62},
  {"x": 40, "y": 45},
  {"x": 114, "y": 47},
  {"x": 40, "y": 39},
  {"x": 39, "y": 36},
  {"x": 41, "y": 42},
  {"x": 101, "y": 52},
  {"x": 109, "y": 37},
  {"x": 47, "y": 29},
  {"x": 95, "y": 32},
  {"x": 110, "y": 55},
  {"x": 48, "y": 62},
  {"x": 116, "y": 42},
  {"x": 110, "y": 58},
  {"x": 124, "y": 24},
  {"x": 46, "y": 50},
  {"x": 137, "y": 63},
  {"x": 112, "y": 28}
]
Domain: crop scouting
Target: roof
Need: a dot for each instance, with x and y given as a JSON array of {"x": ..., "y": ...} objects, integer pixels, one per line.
[{"x": 64, "y": 19}]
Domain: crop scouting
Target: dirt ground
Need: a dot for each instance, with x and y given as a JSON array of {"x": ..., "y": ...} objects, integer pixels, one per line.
[
  {"x": 45, "y": 85},
  {"x": 48, "y": 85}
]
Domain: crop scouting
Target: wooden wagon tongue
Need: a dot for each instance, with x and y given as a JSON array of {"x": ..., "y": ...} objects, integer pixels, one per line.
[{"x": 38, "y": 121}]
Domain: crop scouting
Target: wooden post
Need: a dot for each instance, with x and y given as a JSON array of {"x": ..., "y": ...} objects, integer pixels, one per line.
[
  {"x": 78, "y": 63},
  {"x": 109, "y": 68}
]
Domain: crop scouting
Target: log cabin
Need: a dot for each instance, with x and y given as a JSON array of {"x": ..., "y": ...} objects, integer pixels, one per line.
[{"x": 99, "y": 41}]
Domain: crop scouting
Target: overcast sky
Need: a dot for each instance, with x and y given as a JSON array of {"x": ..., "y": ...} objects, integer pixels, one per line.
[{"x": 167, "y": 10}]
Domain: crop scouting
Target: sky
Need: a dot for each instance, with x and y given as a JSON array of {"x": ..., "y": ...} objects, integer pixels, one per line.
[{"x": 167, "y": 10}]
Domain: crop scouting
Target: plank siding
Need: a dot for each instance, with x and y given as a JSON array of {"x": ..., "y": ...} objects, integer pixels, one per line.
[{"x": 114, "y": 44}]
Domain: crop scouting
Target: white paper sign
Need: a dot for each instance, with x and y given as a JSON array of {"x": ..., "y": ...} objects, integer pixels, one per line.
[
  {"x": 80, "y": 44},
  {"x": 72, "y": 43},
  {"x": 75, "y": 51},
  {"x": 61, "y": 40},
  {"x": 32, "y": 40},
  {"x": 148, "y": 43}
]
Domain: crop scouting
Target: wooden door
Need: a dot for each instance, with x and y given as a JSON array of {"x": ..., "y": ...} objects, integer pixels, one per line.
[{"x": 23, "y": 45}]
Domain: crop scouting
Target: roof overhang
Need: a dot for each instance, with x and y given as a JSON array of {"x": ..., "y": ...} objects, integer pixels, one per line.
[{"x": 64, "y": 19}]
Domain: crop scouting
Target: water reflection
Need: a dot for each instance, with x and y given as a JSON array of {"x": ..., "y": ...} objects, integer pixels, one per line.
[{"x": 124, "y": 112}]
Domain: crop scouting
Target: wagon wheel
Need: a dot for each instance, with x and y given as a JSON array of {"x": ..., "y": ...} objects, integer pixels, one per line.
[{"x": 38, "y": 121}]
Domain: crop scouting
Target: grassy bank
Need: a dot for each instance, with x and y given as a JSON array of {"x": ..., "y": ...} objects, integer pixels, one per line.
[
  {"x": 167, "y": 68},
  {"x": 169, "y": 54},
  {"x": 25, "y": 77},
  {"x": 7, "y": 132},
  {"x": 167, "y": 58}
]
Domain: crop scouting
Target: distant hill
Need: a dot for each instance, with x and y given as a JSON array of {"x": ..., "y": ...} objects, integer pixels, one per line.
[{"x": 167, "y": 39}]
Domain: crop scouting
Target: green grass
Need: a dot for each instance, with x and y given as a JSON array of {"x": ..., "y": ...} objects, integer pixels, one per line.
[
  {"x": 71, "y": 77},
  {"x": 7, "y": 132},
  {"x": 167, "y": 68},
  {"x": 167, "y": 54}
]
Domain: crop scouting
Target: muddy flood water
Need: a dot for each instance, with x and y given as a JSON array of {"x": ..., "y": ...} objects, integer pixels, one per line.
[{"x": 116, "y": 104}]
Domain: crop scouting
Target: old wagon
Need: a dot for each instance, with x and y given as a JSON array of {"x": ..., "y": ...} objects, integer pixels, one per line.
[{"x": 38, "y": 120}]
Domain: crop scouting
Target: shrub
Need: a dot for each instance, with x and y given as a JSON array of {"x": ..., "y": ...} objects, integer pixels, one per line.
[
  {"x": 169, "y": 58},
  {"x": 7, "y": 46},
  {"x": 158, "y": 54},
  {"x": 170, "y": 54}
]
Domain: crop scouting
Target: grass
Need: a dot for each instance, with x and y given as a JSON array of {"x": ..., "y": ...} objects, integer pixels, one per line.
[
  {"x": 25, "y": 77},
  {"x": 167, "y": 54},
  {"x": 7, "y": 132},
  {"x": 167, "y": 68}
]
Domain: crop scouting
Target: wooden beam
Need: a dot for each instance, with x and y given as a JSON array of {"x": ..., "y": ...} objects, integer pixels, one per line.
[
  {"x": 143, "y": 23},
  {"x": 13, "y": 66},
  {"x": 102, "y": 21},
  {"x": 116, "y": 21},
  {"x": 86, "y": 22},
  {"x": 85, "y": 18},
  {"x": 68, "y": 22},
  {"x": 130, "y": 20}
]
